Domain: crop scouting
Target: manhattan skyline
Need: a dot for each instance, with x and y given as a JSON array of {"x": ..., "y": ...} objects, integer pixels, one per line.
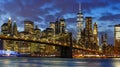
[{"x": 105, "y": 13}]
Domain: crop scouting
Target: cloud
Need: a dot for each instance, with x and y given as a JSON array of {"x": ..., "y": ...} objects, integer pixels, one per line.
[
  {"x": 69, "y": 15},
  {"x": 110, "y": 17},
  {"x": 47, "y": 5},
  {"x": 110, "y": 25}
]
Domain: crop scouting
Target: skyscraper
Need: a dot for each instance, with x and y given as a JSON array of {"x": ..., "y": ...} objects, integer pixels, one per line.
[
  {"x": 10, "y": 25},
  {"x": 117, "y": 38},
  {"x": 37, "y": 32},
  {"x": 104, "y": 43},
  {"x": 95, "y": 34},
  {"x": 88, "y": 32},
  {"x": 57, "y": 27},
  {"x": 52, "y": 25},
  {"x": 28, "y": 26},
  {"x": 7, "y": 28},
  {"x": 4, "y": 29},
  {"x": 80, "y": 21},
  {"x": 62, "y": 25},
  {"x": 15, "y": 32},
  {"x": 104, "y": 39}
]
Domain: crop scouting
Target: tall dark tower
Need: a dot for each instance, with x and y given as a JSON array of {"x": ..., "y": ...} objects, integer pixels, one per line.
[
  {"x": 104, "y": 38},
  {"x": 62, "y": 25},
  {"x": 57, "y": 27},
  {"x": 15, "y": 32},
  {"x": 88, "y": 32},
  {"x": 104, "y": 43}
]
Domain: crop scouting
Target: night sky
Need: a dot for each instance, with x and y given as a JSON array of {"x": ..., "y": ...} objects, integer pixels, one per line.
[{"x": 105, "y": 12}]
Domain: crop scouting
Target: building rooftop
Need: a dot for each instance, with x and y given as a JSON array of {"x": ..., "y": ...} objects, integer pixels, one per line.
[
  {"x": 52, "y": 22},
  {"x": 5, "y": 24},
  {"x": 62, "y": 19},
  {"x": 27, "y": 21},
  {"x": 118, "y": 25}
]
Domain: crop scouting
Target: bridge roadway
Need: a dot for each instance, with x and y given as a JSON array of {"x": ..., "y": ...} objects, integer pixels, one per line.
[{"x": 47, "y": 43}]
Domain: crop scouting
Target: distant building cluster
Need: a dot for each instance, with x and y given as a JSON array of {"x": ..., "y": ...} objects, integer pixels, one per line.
[
  {"x": 55, "y": 28},
  {"x": 54, "y": 33},
  {"x": 10, "y": 29},
  {"x": 87, "y": 35}
]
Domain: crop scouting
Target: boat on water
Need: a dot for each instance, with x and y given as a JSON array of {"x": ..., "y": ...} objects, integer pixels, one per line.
[{"x": 8, "y": 53}]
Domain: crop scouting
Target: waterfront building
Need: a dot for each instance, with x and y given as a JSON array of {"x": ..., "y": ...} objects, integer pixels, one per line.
[
  {"x": 104, "y": 43},
  {"x": 110, "y": 50},
  {"x": 117, "y": 38}
]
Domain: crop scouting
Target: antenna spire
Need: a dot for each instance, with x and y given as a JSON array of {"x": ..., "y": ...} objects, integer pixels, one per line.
[{"x": 80, "y": 7}]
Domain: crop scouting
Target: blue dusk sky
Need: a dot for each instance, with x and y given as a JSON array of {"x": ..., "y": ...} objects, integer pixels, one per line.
[{"x": 105, "y": 12}]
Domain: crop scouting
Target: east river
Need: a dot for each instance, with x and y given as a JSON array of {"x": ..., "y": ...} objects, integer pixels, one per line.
[{"x": 58, "y": 62}]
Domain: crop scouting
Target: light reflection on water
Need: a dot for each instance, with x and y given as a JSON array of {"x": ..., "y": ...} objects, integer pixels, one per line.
[{"x": 58, "y": 62}]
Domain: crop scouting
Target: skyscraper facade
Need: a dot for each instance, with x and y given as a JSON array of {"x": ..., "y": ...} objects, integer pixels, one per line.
[
  {"x": 52, "y": 25},
  {"x": 10, "y": 26},
  {"x": 28, "y": 26},
  {"x": 88, "y": 32},
  {"x": 80, "y": 21},
  {"x": 7, "y": 28},
  {"x": 95, "y": 36},
  {"x": 60, "y": 26},
  {"x": 117, "y": 38},
  {"x": 15, "y": 32},
  {"x": 4, "y": 29}
]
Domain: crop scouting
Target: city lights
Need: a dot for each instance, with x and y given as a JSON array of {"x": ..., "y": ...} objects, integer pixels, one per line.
[{"x": 56, "y": 40}]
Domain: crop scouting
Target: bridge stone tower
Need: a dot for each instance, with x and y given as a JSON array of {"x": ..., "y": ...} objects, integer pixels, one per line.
[{"x": 66, "y": 51}]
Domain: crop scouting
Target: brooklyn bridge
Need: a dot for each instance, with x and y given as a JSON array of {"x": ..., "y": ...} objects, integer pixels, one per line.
[{"x": 67, "y": 49}]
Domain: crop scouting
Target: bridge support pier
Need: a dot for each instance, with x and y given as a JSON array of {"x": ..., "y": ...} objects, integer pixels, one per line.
[{"x": 66, "y": 52}]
